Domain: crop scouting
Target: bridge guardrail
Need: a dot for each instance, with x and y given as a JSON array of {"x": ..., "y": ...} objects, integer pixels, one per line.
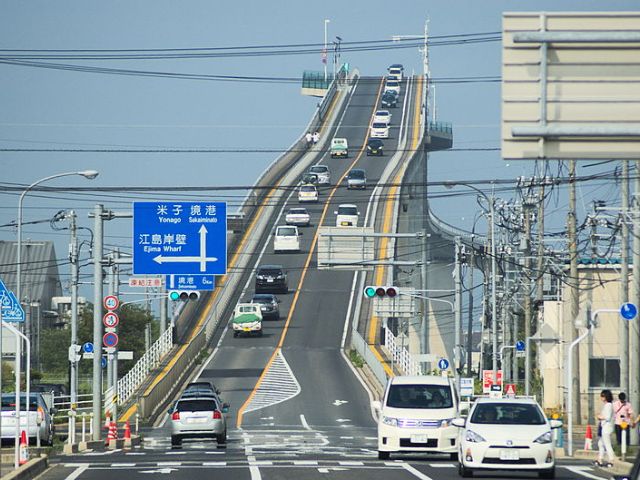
[{"x": 157, "y": 394}]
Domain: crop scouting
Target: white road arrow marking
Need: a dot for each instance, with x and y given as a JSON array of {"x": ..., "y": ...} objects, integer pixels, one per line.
[
  {"x": 337, "y": 403},
  {"x": 160, "y": 470}
]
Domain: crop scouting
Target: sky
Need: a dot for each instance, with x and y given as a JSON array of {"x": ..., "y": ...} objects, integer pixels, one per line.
[{"x": 45, "y": 108}]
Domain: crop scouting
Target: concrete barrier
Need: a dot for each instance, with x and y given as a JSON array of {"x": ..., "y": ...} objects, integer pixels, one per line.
[{"x": 29, "y": 470}]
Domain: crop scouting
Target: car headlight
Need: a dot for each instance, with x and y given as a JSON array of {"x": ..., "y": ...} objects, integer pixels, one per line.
[
  {"x": 260, "y": 277},
  {"x": 390, "y": 421},
  {"x": 446, "y": 422},
  {"x": 544, "y": 438},
  {"x": 473, "y": 437}
]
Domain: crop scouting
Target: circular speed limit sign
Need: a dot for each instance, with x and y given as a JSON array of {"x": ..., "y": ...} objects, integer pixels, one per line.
[
  {"x": 110, "y": 319},
  {"x": 111, "y": 302}
]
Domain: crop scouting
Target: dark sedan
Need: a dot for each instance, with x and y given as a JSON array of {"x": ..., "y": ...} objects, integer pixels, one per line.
[
  {"x": 271, "y": 279},
  {"x": 375, "y": 147},
  {"x": 269, "y": 305}
]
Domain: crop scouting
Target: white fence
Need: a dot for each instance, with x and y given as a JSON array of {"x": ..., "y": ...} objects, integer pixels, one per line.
[
  {"x": 128, "y": 384},
  {"x": 400, "y": 356}
]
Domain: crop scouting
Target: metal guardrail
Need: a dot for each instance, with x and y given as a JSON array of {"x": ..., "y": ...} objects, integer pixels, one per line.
[
  {"x": 63, "y": 402},
  {"x": 400, "y": 355},
  {"x": 451, "y": 231},
  {"x": 128, "y": 384},
  {"x": 442, "y": 127},
  {"x": 360, "y": 346}
]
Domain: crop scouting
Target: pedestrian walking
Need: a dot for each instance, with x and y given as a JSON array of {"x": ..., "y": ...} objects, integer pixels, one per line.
[
  {"x": 309, "y": 139},
  {"x": 623, "y": 413},
  {"x": 316, "y": 137},
  {"x": 606, "y": 417}
]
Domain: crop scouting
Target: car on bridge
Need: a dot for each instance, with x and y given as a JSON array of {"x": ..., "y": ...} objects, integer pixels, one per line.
[
  {"x": 323, "y": 173},
  {"x": 379, "y": 130},
  {"x": 286, "y": 239},
  {"x": 200, "y": 417},
  {"x": 347, "y": 215},
  {"x": 247, "y": 319},
  {"x": 269, "y": 305},
  {"x": 392, "y": 84},
  {"x": 382, "y": 116},
  {"x": 298, "y": 216},
  {"x": 510, "y": 433},
  {"x": 271, "y": 279},
  {"x": 357, "y": 178},
  {"x": 415, "y": 415},
  {"x": 307, "y": 193},
  {"x": 396, "y": 71},
  {"x": 375, "y": 146},
  {"x": 339, "y": 148},
  {"x": 389, "y": 99}
]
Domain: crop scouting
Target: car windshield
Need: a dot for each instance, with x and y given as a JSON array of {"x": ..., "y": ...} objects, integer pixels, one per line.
[
  {"x": 286, "y": 232},
  {"x": 273, "y": 272},
  {"x": 375, "y": 143},
  {"x": 379, "y": 125},
  {"x": 319, "y": 169},
  {"x": 347, "y": 211},
  {"x": 508, "y": 414},
  {"x": 420, "y": 396},
  {"x": 382, "y": 113},
  {"x": 262, "y": 299},
  {"x": 9, "y": 403},
  {"x": 392, "y": 83},
  {"x": 307, "y": 188},
  {"x": 339, "y": 141},
  {"x": 201, "y": 405},
  {"x": 297, "y": 211},
  {"x": 357, "y": 174}
]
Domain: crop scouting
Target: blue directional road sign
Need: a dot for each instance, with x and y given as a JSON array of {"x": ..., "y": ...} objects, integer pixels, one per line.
[
  {"x": 87, "y": 347},
  {"x": 190, "y": 282},
  {"x": 12, "y": 311},
  {"x": 180, "y": 238},
  {"x": 628, "y": 311},
  {"x": 520, "y": 346},
  {"x": 103, "y": 362},
  {"x": 443, "y": 364}
]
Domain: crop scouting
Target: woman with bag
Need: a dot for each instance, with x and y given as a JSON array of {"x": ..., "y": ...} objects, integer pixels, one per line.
[{"x": 606, "y": 418}]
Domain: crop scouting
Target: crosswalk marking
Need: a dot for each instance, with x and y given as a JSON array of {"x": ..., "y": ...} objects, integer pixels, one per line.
[{"x": 278, "y": 385}]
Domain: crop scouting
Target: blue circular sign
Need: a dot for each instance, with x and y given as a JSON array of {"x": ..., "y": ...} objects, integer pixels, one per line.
[
  {"x": 87, "y": 347},
  {"x": 110, "y": 339},
  {"x": 443, "y": 364},
  {"x": 520, "y": 346},
  {"x": 103, "y": 362},
  {"x": 628, "y": 311}
]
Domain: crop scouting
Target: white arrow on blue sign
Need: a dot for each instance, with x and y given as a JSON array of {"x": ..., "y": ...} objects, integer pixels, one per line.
[
  {"x": 12, "y": 311},
  {"x": 87, "y": 347},
  {"x": 520, "y": 346},
  {"x": 180, "y": 238},
  {"x": 628, "y": 311},
  {"x": 443, "y": 364}
]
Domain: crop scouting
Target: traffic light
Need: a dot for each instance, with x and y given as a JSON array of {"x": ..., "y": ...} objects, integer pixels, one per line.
[
  {"x": 184, "y": 295},
  {"x": 371, "y": 291}
]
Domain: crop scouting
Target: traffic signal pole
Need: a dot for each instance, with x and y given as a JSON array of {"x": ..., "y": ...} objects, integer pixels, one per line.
[
  {"x": 97, "y": 254},
  {"x": 73, "y": 354}
]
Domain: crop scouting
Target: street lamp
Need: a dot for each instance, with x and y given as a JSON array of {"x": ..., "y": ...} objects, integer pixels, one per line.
[
  {"x": 89, "y": 174},
  {"x": 493, "y": 271}
]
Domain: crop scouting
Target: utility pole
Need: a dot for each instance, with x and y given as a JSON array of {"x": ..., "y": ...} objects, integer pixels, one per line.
[
  {"x": 424, "y": 334},
  {"x": 116, "y": 291},
  {"x": 98, "y": 212},
  {"x": 634, "y": 333},
  {"x": 458, "y": 312},
  {"x": 624, "y": 278},
  {"x": 528, "y": 275},
  {"x": 574, "y": 289},
  {"x": 470, "y": 313},
  {"x": 73, "y": 358}
]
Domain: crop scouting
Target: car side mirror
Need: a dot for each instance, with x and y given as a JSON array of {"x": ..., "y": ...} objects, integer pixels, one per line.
[
  {"x": 458, "y": 422},
  {"x": 377, "y": 406},
  {"x": 53, "y": 410},
  {"x": 225, "y": 408},
  {"x": 335, "y": 213},
  {"x": 555, "y": 423}
]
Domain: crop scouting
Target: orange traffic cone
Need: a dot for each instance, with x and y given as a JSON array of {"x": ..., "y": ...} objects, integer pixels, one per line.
[
  {"x": 113, "y": 433},
  {"x": 588, "y": 439},
  {"x": 24, "y": 448},
  {"x": 127, "y": 431}
]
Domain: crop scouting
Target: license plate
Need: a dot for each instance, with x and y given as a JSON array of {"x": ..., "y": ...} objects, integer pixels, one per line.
[
  {"x": 344, "y": 224},
  {"x": 197, "y": 420},
  {"x": 269, "y": 280},
  {"x": 419, "y": 438},
  {"x": 247, "y": 329},
  {"x": 509, "y": 455}
]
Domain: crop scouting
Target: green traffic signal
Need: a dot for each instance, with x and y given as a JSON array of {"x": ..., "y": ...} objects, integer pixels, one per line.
[
  {"x": 173, "y": 295},
  {"x": 370, "y": 292}
]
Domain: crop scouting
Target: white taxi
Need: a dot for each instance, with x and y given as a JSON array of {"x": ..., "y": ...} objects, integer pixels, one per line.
[
  {"x": 307, "y": 193},
  {"x": 506, "y": 434}
]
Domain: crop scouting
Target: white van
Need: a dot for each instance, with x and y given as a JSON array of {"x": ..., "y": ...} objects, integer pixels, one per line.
[
  {"x": 415, "y": 416},
  {"x": 347, "y": 215},
  {"x": 286, "y": 239}
]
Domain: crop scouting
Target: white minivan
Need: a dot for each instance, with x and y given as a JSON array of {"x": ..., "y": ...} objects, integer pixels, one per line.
[
  {"x": 286, "y": 239},
  {"x": 415, "y": 416},
  {"x": 347, "y": 215}
]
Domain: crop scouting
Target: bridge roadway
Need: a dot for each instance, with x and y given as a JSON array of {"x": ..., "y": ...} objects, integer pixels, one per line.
[{"x": 298, "y": 410}]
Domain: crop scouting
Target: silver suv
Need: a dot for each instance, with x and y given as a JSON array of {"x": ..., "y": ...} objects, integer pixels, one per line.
[{"x": 201, "y": 417}]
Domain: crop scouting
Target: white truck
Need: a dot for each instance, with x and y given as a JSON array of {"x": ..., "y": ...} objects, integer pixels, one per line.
[
  {"x": 339, "y": 148},
  {"x": 247, "y": 319}
]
